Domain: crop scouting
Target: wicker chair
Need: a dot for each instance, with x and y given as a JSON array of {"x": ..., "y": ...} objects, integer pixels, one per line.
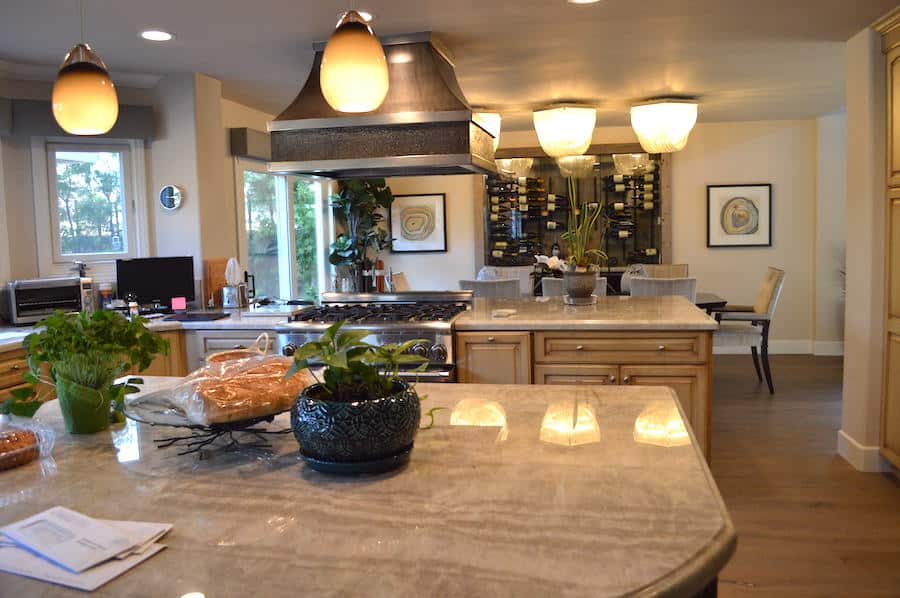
[
  {"x": 753, "y": 329},
  {"x": 666, "y": 270}
]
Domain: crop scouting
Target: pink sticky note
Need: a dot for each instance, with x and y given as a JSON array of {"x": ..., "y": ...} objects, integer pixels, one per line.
[{"x": 179, "y": 303}]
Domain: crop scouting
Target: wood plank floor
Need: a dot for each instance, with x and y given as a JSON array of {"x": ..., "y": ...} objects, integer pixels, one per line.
[{"x": 808, "y": 524}]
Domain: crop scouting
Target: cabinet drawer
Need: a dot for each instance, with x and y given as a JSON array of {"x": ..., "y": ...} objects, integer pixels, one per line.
[
  {"x": 620, "y": 348},
  {"x": 201, "y": 343},
  {"x": 493, "y": 357},
  {"x": 576, "y": 374},
  {"x": 12, "y": 366}
]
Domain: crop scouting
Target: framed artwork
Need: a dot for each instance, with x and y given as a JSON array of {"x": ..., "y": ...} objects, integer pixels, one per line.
[
  {"x": 418, "y": 223},
  {"x": 739, "y": 215}
]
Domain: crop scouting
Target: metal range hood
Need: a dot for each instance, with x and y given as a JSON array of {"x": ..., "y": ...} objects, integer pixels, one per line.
[{"x": 424, "y": 127}]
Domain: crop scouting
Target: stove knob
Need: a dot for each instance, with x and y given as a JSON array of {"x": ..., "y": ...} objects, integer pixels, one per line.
[
  {"x": 438, "y": 353},
  {"x": 419, "y": 350},
  {"x": 289, "y": 349}
]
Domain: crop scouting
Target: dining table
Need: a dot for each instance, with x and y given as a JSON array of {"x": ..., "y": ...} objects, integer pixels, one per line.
[{"x": 709, "y": 302}]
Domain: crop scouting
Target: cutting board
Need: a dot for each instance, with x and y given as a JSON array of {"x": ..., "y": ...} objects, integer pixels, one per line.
[{"x": 215, "y": 279}]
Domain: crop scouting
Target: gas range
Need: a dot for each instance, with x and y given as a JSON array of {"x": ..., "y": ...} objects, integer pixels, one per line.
[{"x": 391, "y": 318}]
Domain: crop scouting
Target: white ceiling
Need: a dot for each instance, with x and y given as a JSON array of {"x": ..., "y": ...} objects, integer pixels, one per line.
[{"x": 747, "y": 60}]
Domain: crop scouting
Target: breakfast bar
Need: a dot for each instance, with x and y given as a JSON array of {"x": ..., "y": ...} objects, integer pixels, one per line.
[{"x": 504, "y": 496}]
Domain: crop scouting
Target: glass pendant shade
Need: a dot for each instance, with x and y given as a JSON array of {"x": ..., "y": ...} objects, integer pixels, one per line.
[
  {"x": 518, "y": 166},
  {"x": 491, "y": 121},
  {"x": 664, "y": 126},
  {"x": 576, "y": 167},
  {"x": 84, "y": 97},
  {"x": 354, "y": 71},
  {"x": 566, "y": 130},
  {"x": 631, "y": 164}
]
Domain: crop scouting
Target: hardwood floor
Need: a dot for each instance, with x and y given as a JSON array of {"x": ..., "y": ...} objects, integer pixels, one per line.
[{"x": 808, "y": 524}]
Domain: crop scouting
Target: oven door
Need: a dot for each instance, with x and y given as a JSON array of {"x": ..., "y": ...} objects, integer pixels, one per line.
[{"x": 436, "y": 372}]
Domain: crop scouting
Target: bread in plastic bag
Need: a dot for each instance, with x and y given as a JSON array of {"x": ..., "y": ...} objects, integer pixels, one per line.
[{"x": 21, "y": 443}]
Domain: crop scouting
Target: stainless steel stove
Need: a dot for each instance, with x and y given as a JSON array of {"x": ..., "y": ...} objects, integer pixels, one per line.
[{"x": 391, "y": 318}]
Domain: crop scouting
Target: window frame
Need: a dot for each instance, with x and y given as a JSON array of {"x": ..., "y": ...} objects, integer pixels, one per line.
[{"x": 51, "y": 261}]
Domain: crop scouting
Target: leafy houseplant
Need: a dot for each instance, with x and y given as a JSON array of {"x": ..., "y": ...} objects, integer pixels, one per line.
[
  {"x": 580, "y": 274},
  {"x": 356, "y": 204},
  {"x": 360, "y": 413},
  {"x": 85, "y": 354}
]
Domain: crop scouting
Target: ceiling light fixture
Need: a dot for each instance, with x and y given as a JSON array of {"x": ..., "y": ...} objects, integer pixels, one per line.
[
  {"x": 663, "y": 125},
  {"x": 354, "y": 71},
  {"x": 565, "y": 130},
  {"x": 156, "y": 35},
  {"x": 84, "y": 97},
  {"x": 576, "y": 167},
  {"x": 491, "y": 122},
  {"x": 584, "y": 1}
]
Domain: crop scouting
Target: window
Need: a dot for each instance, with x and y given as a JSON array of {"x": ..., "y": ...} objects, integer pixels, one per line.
[
  {"x": 281, "y": 231},
  {"x": 87, "y": 206}
]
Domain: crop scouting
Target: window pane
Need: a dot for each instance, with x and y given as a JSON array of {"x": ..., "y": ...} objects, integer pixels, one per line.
[
  {"x": 262, "y": 217},
  {"x": 306, "y": 197},
  {"x": 90, "y": 201}
]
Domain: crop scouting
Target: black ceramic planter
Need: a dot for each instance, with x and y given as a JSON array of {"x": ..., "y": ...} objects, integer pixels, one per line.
[{"x": 361, "y": 437}]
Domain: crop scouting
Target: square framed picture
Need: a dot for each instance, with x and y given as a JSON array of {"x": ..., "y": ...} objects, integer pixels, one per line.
[
  {"x": 418, "y": 223},
  {"x": 739, "y": 215}
]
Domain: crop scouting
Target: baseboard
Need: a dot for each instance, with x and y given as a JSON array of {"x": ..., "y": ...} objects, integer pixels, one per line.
[
  {"x": 828, "y": 348},
  {"x": 861, "y": 457},
  {"x": 776, "y": 347}
]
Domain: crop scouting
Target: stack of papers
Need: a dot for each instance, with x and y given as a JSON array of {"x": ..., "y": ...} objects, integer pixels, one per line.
[{"x": 67, "y": 548}]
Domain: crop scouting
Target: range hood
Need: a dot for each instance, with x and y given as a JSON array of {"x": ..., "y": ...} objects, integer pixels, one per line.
[{"x": 424, "y": 127}]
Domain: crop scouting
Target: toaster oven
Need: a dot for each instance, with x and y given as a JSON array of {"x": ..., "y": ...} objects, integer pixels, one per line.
[{"x": 30, "y": 301}]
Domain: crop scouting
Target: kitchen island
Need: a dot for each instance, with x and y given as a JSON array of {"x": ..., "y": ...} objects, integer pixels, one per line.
[
  {"x": 620, "y": 340},
  {"x": 504, "y": 496}
]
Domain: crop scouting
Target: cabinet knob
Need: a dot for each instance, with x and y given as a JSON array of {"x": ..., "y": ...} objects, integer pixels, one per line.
[
  {"x": 661, "y": 348},
  {"x": 626, "y": 379},
  {"x": 16, "y": 367},
  {"x": 579, "y": 348},
  {"x": 612, "y": 379},
  {"x": 491, "y": 339}
]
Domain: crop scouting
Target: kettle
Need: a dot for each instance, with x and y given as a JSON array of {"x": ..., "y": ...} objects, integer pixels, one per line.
[{"x": 234, "y": 296}]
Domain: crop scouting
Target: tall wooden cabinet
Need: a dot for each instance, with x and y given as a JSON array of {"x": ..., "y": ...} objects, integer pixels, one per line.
[{"x": 890, "y": 420}]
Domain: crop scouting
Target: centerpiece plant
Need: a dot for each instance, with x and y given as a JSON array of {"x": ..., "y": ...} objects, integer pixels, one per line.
[
  {"x": 358, "y": 204},
  {"x": 360, "y": 414},
  {"x": 81, "y": 355},
  {"x": 584, "y": 259}
]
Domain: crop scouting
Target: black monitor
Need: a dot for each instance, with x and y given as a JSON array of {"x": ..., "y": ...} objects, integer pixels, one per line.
[{"x": 156, "y": 279}]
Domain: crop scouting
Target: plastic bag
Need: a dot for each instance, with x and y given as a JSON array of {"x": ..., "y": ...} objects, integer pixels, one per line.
[{"x": 23, "y": 442}]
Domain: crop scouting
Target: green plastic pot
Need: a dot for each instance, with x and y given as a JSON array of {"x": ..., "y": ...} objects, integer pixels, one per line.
[{"x": 85, "y": 410}]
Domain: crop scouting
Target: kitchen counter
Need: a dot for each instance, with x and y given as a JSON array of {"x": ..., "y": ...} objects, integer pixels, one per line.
[
  {"x": 609, "y": 313},
  {"x": 503, "y": 506}
]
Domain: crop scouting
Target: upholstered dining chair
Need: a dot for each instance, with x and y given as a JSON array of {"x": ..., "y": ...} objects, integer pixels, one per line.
[
  {"x": 555, "y": 287},
  {"x": 754, "y": 321},
  {"x": 666, "y": 270},
  {"x": 503, "y": 287},
  {"x": 686, "y": 287}
]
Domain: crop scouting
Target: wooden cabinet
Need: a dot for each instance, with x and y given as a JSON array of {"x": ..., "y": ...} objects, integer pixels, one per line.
[
  {"x": 619, "y": 347},
  {"x": 173, "y": 364},
  {"x": 893, "y": 115},
  {"x": 493, "y": 357},
  {"x": 890, "y": 441},
  {"x": 200, "y": 343},
  {"x": 12, "y": 367},
  {"x": 576, "y": 374}
]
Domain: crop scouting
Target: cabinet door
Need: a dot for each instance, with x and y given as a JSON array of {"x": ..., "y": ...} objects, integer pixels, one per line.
[
  {"x": 576, "y": 374},
  {"x": 493, "y": 357},
  {"x": 690, "y": 383},
  {"x": 893, "y": 115},
  {"x": 172, "y": 364},
  {"x": 891, "y": 416}
]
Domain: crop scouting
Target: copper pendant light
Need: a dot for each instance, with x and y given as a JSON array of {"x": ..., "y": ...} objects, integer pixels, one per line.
[
  {"x": 84, "y": 97},
  {"x": 354, "y": 71}
]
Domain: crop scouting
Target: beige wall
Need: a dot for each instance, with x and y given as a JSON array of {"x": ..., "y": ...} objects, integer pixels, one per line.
[
  {"x": 859, "y": 437},
  {"x": 20, "y": 260},
  {"x": 442, "y": 271}
]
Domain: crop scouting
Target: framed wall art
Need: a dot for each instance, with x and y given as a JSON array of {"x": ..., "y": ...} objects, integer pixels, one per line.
[
  {"x": 739, "y": 215},
  {"x": 418, "y": 223}
]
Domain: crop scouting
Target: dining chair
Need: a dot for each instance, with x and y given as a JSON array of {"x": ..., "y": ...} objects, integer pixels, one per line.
[
  {"x": 555, "y": 287},
  {"x": 644, "y": 287},
  {"x": 503, "y": 287},
  {"x": 755, "y": 320},
  {"x": 666, "y": 270}
]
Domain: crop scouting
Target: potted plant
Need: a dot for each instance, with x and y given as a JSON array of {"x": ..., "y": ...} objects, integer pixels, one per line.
[
  {"x": 357, "y": 204},
  {"x": 359, "y": 416},
  {"x": 85, "y": 354},
  {"x": 580, "y": 273}
]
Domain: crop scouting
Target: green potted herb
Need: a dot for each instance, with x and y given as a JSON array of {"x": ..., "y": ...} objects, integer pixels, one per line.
[
  {"x": 580, "y": 274},
  {"x": 85, "y": 354},
  {"x": 360, "y": 416}
]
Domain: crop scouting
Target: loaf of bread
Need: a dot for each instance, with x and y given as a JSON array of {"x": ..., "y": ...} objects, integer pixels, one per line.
[
  {"x": 241, "y": 390},
  {"x": 17, "y": 447}
]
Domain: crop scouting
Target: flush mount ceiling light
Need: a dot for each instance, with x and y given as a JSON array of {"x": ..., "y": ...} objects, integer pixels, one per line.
[
  {"x": 354, "y": 71},
  {"x": 491, "y": 122},
  {"x": 517, "y": 166},
  {"x": 565, "y": 130},
  {"x": 84, "y": 97},
  {"x": 156, "y": 35},
  {"x": 583, "y": 1},
  {"x": 576, "y": 167},
  {"x": 664, "y": 125}
]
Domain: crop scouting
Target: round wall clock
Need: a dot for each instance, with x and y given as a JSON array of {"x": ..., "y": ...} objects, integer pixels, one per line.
[{"x": 170, "y": 197}]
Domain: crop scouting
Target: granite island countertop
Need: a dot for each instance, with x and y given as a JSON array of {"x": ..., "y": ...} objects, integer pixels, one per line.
[
  {"x": 609, "y": 313},
  {"x": 499, "y": 499}
]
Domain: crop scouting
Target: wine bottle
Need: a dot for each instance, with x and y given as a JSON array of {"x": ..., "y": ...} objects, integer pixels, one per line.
[
  {"x": 555, "y": 225},
  {"x": 615, "y": 187},
  {"x": 650, "y": 251},
  {"x": 649, "y": 187},
  {"x": 647, "y": 205}
]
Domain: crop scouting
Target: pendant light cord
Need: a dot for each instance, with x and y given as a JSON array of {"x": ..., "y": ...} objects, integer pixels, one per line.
[{"x": 81, "y": 11}]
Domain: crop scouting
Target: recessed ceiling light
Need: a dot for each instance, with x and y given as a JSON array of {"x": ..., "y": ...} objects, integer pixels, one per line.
[
  {"x": 583, "y": 1},
  {"x": 156, "y": 35}
]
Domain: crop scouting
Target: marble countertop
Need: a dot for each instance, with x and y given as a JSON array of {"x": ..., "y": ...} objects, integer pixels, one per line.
[
  {"x": 609, "y": 313},
  {"x": 500, "y": 498}
]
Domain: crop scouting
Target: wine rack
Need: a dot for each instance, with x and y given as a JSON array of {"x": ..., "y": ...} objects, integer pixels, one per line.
[{"x": 632, "y": 212}]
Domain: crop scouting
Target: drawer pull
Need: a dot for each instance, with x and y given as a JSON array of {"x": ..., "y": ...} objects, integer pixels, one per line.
[
  {"x": 661, "y": 348},
  {"x": 612, "y": 379},
  {"x": 579, "y": 348},
  {"x": 239, "y": 347},
  {"x": 626, "y": 379},
  {"x": 16, "y": 367},
  {"x": 491, "y": 339}
]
